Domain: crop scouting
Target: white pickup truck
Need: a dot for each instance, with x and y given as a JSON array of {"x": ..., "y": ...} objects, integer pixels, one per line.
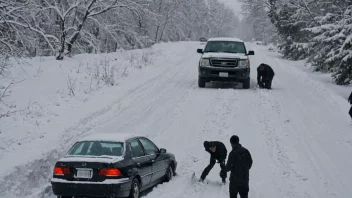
[{"x": 224, "y": 59}]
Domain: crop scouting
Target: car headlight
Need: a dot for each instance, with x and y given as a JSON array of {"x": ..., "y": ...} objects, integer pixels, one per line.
[
  {"x": 204, "y": 62},
  {"x": 243, "y": 63}
]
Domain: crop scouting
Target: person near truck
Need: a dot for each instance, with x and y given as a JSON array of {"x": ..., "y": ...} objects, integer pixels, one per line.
[{"x": 265, "y": 75}]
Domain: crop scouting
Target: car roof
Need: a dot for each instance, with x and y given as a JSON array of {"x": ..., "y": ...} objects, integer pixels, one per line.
[
  {"x": 114, "y": 137},
  {"x": 225, "y": 39}
]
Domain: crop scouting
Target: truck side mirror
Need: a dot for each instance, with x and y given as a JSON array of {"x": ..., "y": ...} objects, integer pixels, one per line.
[
  {"x": 250, "y": 52},
  {"x": 200, "y": 51}
]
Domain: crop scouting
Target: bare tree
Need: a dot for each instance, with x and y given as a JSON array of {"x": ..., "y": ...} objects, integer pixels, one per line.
[{"x": 49, "y": 27}]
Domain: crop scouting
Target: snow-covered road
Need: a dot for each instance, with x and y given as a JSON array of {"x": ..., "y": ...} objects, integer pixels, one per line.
[{"x": 299, "y": 133}]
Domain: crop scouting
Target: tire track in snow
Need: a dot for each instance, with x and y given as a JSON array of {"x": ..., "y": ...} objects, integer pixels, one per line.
[
  {"x": 269, "y": 114},
  {"x": 164, "y": 102},
  {"x": 324, "y": 174},
  {"x": 216, "y": 126}
]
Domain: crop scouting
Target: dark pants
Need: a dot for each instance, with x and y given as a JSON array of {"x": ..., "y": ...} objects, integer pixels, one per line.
[
  {"x": 223, "y": 174},
  {"x": 238, "y": 189},
  {"x": 350, "y": 112},
  {"x": 266, "y": 83}
]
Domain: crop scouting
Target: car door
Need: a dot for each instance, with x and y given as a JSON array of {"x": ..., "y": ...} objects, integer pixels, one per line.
[
  {"x": 158, "y": 160},
  {"x": 142, "y": 161}
]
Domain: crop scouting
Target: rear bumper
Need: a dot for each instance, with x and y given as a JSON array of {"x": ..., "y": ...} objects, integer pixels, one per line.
[
  {"x": 113, "y": 188},
  {"x": 213, "y": 73}
]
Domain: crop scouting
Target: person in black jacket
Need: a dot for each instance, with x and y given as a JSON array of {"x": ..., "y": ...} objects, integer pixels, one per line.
[
  {"x": 350, "y": 101},
  {"x": 265, "y": 75},
  {"x": 239, "y": 163},
  {"x": 217, "y": 152}
]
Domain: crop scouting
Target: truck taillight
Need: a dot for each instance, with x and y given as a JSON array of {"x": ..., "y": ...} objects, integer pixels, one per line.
[
  {"x": 61, "y": 170},
  {"x": 109, "y": 172}
]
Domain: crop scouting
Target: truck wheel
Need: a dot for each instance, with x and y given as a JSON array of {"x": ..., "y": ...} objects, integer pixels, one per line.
[
  {"x": 201, "y": 82},
  {"x": 246, "y": 83}
]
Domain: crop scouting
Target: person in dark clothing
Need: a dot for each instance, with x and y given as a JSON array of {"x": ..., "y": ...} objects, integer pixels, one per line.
[
  {"x": 239, "y": 163},
  {"x": 217, "y": 152},
  {"x": 265, "y": 75},
  {"x": 350, "y": 101}
]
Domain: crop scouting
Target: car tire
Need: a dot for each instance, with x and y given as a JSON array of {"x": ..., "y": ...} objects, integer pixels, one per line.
[
  {"x": 246, "y": 83},
  {"x": 135, "y": 189},
  {"x": 201, "y": 82},
  {"x": 169, "y": 174}
]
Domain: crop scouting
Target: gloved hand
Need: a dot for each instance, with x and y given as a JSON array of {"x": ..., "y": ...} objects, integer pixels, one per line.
[
  {"x": 201, "y": 179},
  {"x": 222, "y": 173}
]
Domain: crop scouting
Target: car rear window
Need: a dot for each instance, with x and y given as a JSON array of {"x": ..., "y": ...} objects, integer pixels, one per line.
[{"x": 97, "y": 148}]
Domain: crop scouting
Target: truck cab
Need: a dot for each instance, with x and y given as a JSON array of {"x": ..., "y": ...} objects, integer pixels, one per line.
[{"x": 224, "y": 59}]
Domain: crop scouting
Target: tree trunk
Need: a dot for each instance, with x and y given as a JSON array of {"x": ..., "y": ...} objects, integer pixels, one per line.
[{"x": 62, "y": 41}]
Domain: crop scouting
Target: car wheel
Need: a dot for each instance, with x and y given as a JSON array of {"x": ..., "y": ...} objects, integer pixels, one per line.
[
  {"x": 201, "y": 82},
  {"x": 135, "y": 189},
  {"x": 246, "y": 83},
  {"x": 169, "y": 174}
]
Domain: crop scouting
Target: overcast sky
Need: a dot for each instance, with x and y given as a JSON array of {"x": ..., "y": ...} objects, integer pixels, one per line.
[{"x": 235, "y": 5}]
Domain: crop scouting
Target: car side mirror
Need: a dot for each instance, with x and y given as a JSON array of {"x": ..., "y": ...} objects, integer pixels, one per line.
[
  {"x": 162, "y": 150},
  {"x": 250, "y": 52},
  {"x": 200, "y": 51}
]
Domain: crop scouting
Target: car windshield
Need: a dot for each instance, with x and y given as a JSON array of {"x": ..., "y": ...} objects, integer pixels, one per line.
[
  {"x": 96, "y": 148},
  {"x": 225, "y": 46}
]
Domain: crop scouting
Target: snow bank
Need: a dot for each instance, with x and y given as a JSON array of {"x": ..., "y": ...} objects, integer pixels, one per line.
[{"x": 53, "y": 95}]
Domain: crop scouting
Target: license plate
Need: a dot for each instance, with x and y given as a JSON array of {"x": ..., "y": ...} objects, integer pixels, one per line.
[
  {"x": 84, "y": 174},
  {"x": 223, "y": 74}
]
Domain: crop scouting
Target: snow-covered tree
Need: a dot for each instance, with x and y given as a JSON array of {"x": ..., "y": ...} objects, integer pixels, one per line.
[
  {"x": 256, "y": 20},
  {"x": 57, "y": 27},
  {"x": 318, "y": 31}
]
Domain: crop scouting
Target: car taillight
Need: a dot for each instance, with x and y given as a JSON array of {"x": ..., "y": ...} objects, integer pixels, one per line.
[
  {"x": 61, "y": 170},
  {"x": 109, "y": 172}
]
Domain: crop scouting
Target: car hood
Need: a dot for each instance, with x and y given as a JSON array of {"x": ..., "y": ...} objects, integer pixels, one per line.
[{"x": 224, "y": 55}]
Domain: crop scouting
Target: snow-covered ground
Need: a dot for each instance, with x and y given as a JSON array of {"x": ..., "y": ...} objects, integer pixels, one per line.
[{"x": 299, "y": 133}]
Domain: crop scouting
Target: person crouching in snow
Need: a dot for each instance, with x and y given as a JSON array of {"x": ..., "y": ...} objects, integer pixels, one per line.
[
  {"x": 217, "y": 152},
  {"x": 265, "y": 75},
  {"x": 350, "y": 101}
]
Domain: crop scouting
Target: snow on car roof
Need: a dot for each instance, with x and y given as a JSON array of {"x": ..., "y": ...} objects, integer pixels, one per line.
[
  {"x": 116, "y": 137},
  {"x": 225, "y": 39}
]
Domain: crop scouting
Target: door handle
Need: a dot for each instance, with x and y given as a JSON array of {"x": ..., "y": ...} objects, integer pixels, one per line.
[
  {"x": 138, "y": 164},
  {"x": 152, "y": 161}
]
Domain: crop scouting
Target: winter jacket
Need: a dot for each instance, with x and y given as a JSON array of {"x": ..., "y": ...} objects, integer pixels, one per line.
[
  {"x": 350, "y": 99},
  {"x": 239, "y": 163},
  {"x": 220, "y": 152},
  {"x": 267, "y": 73}
]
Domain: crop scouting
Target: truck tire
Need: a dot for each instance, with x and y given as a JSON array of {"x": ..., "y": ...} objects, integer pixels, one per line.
[
  {"x": 201, "y": 82},
  {"x": 246, "y": 83}
]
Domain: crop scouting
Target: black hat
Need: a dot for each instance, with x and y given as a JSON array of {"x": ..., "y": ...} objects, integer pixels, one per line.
[
  {"x": 234, "y": 139},
  {"x": 206, "y": 144}
]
